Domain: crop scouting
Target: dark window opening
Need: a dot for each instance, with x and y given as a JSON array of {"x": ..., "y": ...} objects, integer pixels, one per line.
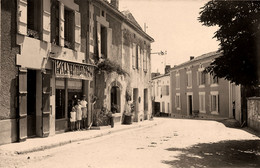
[
  {"x": 55, "y": 22},
  {"x": 115, "y": 99},
  {"x": 103, "y": 42},
  {"x": 103, "y": 13},
  {"x": 137, "y": 58},
  {"x": 34, "y": 18},
  {"x": 60, "y": 103},
  {"x": 68, "y": 28}
]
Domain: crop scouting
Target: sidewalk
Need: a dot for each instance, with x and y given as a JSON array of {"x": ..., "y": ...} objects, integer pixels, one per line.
[{"x": 39, "y": 144}]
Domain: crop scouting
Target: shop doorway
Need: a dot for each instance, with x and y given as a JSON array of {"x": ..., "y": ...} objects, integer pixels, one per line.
[
  {"x": 73, "y": 96},
  {"x": 115, "y": 99},
  {"x": 31, "y": 103}
]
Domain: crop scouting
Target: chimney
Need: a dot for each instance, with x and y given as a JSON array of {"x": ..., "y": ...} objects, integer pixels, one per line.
[
  {"x": 167, "y": 69},
  {"x": 191, "y": 58},
  {"x": 115, "y": 3}
]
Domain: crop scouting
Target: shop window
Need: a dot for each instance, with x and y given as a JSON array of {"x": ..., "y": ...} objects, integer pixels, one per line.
[
  {"x": 55, "y": 30},
  {"x": 103, "y": 42},
  {"x": 33, "y": 18},
  {"x": 60, "y": 104},
  {"x": 68, "y": 28}
]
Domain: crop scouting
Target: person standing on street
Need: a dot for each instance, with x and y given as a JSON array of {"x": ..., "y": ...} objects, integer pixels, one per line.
[
  {"x": 78, "y": 114},
  {"x": 83, "y": 104}
]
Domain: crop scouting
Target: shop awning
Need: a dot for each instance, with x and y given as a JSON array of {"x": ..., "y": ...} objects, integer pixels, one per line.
[{"x": 67, "y": 69}]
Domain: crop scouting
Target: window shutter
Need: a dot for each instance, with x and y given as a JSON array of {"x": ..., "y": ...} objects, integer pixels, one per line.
[
  {"x": 99, "y": 39},
  {"x": 77, "y": 31},
  {"x": 198, "y": 78},
  {"x": 218, "y": 103},
  {"x": 22, "y": 17},
  {"x": 139, "y": 57},
  {"x": 133, "y": 55},
  {"x": 46, "y": 19},
  {"x": 210, "y": 102},
  {"x": 61, "y": 24}
]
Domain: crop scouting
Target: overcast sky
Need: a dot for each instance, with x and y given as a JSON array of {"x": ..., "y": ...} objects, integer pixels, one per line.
[{"x": 175, "y": 27}]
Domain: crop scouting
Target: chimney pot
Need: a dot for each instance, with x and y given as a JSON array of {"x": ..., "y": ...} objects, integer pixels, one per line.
[
  {"x": 115, "y": 3},
  {"x": 191, "y": 57}
]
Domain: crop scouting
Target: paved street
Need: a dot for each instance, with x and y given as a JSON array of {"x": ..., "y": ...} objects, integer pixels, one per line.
[{"x": 172, "y": 143}]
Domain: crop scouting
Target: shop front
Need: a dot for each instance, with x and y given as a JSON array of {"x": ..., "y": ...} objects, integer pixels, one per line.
[{"x": 71, "y": 83}]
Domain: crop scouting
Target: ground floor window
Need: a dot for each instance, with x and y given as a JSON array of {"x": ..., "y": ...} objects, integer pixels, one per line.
[
  {"x": 214, "y": 102},
  {"x": 202, "y": 102},
  {"x": 178, "y": 101}
]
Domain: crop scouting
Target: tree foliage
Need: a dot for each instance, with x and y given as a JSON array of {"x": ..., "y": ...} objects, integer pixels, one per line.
[{"x": 239, "y": 37}]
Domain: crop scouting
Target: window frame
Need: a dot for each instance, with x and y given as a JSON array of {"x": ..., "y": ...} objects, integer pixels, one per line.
[
  {"x": 202, "y": 103},
  {"x": 178, "y": 101},
  {"x": 216, "y": 108}
]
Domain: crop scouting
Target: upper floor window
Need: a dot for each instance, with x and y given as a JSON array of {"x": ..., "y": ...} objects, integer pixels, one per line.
[
  {"x": 68, "y": 28},
  {"x": 134, "y": 56},
  {"x": 189, "y": 78},
  {"x": 213, "y": 79},
  {"x": 201, "y": 76},
  {"x": 178, "y": 82},
  {"x": 165, "y": 90},
  {"x": 34, "y": 13},
  {"x": 137, "y": 57},
  {"x": 103, "y": 42},
  {"x": 145, "y": 61},
  {"x": 55, "y": 25}
]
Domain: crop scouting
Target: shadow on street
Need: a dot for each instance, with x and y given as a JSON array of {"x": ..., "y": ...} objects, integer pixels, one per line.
[{"x": 245, "y": 153}]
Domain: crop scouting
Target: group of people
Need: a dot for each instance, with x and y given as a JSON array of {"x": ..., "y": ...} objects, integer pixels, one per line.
[{"x": 79, "y": 114}]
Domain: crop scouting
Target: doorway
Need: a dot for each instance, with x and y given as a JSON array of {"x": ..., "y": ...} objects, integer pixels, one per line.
[
  {"x": 31, "y": 103},
  {"x": 115, "y": 98},
  {"x": 190, "y": 104}
]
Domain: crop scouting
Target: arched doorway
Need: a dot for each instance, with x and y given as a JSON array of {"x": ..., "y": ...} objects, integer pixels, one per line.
[{"x": 115, "y": 98}]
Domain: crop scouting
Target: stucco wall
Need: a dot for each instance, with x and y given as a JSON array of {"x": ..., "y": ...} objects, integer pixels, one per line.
[
  {"x": 253, "y": 106},
  {"x": 222, "y": 88}
]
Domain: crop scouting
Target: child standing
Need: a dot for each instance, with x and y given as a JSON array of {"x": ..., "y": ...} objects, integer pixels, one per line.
[
  {"x": 72, "y": 119},
  {"x": 78, "y": 114}
]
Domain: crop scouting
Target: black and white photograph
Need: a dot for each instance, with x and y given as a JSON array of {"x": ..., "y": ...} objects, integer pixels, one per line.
[{"x": 129, "y": 83}]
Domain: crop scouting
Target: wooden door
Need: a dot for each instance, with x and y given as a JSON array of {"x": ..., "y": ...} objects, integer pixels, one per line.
[
  {"x": 22, "y": 124},
  {"x": 46, "y": 92}
]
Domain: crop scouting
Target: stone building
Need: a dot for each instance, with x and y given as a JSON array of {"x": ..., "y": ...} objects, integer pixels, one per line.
[
  {"x": 49, "y": 51},
  {"x": 192, "y": 89},
  {"x": 161, "y": 94},
  {"x": 117, "y": 39}
]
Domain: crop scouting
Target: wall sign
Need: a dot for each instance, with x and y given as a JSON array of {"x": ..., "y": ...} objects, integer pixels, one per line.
[{"x": 63, "y": 69}]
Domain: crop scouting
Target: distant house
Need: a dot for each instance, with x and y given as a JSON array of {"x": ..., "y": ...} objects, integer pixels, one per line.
[
  {"x": 194, "y": 90},
  {"x": 161, "y": 94}
]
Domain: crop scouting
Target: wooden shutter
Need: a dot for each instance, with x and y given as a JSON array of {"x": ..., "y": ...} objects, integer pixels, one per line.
[
  {"x": 99, "y": 39},
  {"x": 22, "y": 17},
  {"x": 77, "y": 31},
  {"x": 133, "y": 55},
  {"x": 61, "y": 24},
  {"x": 210, "y": 102},
  {"x": 22, "y": 104},
  {"x": 46, "y": 91},
  {"x": 46, "y": 20}
]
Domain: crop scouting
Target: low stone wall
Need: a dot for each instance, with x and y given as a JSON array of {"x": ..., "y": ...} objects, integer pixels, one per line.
[{"x": 253, "y": 110}]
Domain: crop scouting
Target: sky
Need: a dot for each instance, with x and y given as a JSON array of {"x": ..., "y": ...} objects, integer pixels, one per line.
[{"x": 175, "y": 28}]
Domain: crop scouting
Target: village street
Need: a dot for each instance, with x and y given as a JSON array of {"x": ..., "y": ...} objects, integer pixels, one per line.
[{"x": 171, "y": 143}]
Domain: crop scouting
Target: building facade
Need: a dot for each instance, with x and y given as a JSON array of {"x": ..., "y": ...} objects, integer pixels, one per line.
[
  {"x": 192, "y": 89},
  {"x": 49, "y": 59},
  {"x": 161, "y": 95},
  {"x": 119, "y": 40}
]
